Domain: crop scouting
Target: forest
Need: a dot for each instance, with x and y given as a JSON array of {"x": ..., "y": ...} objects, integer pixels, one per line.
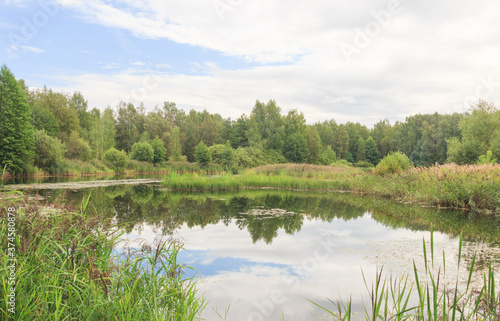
[{"x": 47, "y": 132}]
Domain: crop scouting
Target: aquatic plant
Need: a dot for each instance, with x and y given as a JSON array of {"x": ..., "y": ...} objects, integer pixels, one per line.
[
  {"x": 426, "y": 297},
  {"x": 67, "y": 268}
]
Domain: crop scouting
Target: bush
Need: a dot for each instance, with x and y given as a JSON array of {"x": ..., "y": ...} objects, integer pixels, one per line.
[
  {"x": 142, "y": 152},
  {"x": 393, "y": 163},
  {"x": 202, "y": 154},
  {"x": 160, "y": 152},
  {"x": 328, "y": 156},
  {"x": 117, "y": 159},
  {"x": 49, "y": 152},
  {"x": 341, "y": 163},
  {"x": 223, "y": 155},
  {"x": 78, "y": 148},
  {"x": 364, "y": 164}
]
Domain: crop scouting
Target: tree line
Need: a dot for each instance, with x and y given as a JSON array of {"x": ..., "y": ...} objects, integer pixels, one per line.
[{"x": 40, "y": 128}]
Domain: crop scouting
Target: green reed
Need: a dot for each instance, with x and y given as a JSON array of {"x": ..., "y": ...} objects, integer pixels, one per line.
[
  {"x": 427, "y": 298},
  {"x": 68, "y": 268}
]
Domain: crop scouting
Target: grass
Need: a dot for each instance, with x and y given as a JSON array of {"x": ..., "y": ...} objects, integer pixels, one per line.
[
  {"x": 67, "y": 269},
  {"x": 427, "y": 298},
  {"x": 475, "y": 187}
]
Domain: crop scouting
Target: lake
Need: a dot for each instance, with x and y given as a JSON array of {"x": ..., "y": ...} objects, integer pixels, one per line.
[{"x": 265, "y": 254}]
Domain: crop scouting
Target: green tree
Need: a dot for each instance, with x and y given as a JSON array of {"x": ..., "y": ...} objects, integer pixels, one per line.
[
  {"x": 175, "y": 147},
  {"x": 16, "y": 131},
  {"x": 142, "y": 151},
  {"x": 78, "y": 148},
  {"x": 328, "y": 156},
  {"x": 314, "y": 145},
  {"x": 118, "y": 159},
  {"x": 160, "y": 152},
  {"x": 223, "y": 155},
  {"x": 487, "y": 159},
  {"x": 202, "y": 154},
  {"x": 360, "y": 150},
  {"x": 372, "y": 154},
  {"x": 127, "y": 131},
  {"x": 49, "y": 152},
  {"x": 295, "y": 145},
  {"x": 479, "y": 130},
  {"x": 341, "y": 142}
]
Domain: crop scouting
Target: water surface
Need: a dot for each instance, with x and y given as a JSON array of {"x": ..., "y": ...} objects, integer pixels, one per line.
[{"x": 265, "y": 253}]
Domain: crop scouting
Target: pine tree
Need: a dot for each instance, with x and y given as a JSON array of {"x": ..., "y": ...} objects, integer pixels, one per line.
[
  {"x": 16, "y": 131},
  {"x": 371, "y": 151}
]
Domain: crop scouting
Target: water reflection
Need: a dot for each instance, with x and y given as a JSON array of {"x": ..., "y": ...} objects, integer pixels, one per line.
[{"x": 264, "y": 253}]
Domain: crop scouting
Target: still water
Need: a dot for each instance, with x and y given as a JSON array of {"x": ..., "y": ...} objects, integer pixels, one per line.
[{"x": 265, "y": 255}]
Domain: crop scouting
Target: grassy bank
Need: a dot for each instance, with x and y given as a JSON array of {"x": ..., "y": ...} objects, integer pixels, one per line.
[
  {"x": 474, "y": 187},
  {"x": 67, "y": 268},
  {"x": 96, "y": 168}
]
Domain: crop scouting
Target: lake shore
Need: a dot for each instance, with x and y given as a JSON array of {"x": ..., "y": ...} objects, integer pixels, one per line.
[{"x": 468, "y": 187}]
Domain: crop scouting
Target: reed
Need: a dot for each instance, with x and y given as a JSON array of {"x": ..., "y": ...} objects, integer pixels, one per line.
[
  {"x": 68, "y": 268},
  {"x": 426, "y": 297}
]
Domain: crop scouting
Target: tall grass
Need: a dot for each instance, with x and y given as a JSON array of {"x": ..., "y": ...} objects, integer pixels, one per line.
[
  {"x": 474, "y": 187},
  {"x": 67, "y": 269},
  {"x": 428, "y": 297}
]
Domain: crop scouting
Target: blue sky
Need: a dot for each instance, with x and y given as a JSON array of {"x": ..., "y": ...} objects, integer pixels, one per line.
[{"x": 327, "y": 58}]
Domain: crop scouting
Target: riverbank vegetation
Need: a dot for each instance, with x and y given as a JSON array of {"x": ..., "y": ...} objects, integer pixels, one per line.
[
  {"x": 70, "y": 266},
  {"x": 473, "y": 187},
  {"x": 55, "y": 133}
]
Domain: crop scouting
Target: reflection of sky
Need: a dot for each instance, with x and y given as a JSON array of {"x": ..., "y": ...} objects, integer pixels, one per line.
[{"x": 261, "y": 281}]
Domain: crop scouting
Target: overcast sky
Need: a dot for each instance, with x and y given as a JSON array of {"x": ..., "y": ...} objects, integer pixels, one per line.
[{"x": 361, "y": 60}]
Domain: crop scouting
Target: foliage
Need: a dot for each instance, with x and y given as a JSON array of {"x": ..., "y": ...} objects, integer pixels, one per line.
[
  {"x": 175, "y": 147},
  {"x": 487, "y": 159},
  {"x": 479, "y": 129},
  {"x": 143, "y": 152},
  {"x": 371, "y": 151},
  {"x": 341, "y": 163},
  {"x": 360, "y": 150},
  {"x": 118, "y": 159},
  {"x": 202, "y": 154},
  {"x": 393, "y": 163},
  {"x": 160, "y": 152},
  {"x": 224, "y": 156},
  {"x": 328, "y": 156},
  {"x": 70, "y": 265},
  {"x": 16, "y": 132},
  {"x": 78, "y": 148},
  {"x": 49, "y": 152},
  {"x": 364, "y": 164},
  {"x": 314, "y": 146}
]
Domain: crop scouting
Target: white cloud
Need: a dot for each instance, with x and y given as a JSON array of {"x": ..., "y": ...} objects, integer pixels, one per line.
[
  {"x": 427, "y": 58},
  {"x": 342, "y": 99},
  {"x": 15, "y": 51}
]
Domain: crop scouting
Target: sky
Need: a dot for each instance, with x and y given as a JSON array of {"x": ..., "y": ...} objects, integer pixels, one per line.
[{"x": 359, "y": 61}]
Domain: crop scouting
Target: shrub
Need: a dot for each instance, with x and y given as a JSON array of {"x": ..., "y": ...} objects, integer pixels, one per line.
[
  {"x": 341, "y": 163},
  {"x": 202, "y": 154},
  {"x": 49, "y": 152},
  {"x": 328, "y": 156},
  {"x": 393, "y": 163},
  {"x": 160, "y": 152},
  {"x": 364, "y": 164},
  {"x": 223, "y": 155},
  {"x": 117, "y": 159},
  {"x": 78, "y": 148},
  {"x": 143, "y": 152}
]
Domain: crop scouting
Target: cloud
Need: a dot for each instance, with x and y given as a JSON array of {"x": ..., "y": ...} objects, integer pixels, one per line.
[
  {"x": 429, "y": 57},
  {"x": 343, "y": 99},
  {"x": 15, "y": 51}
]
